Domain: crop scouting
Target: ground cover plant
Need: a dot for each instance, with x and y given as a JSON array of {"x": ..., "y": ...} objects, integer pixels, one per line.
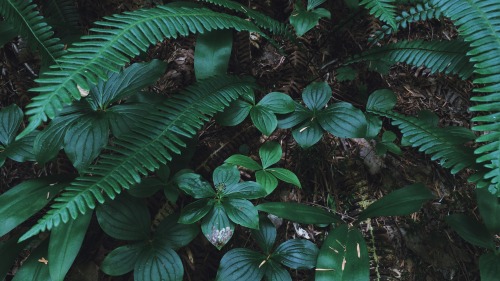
[{"x": 118, "y": 120}]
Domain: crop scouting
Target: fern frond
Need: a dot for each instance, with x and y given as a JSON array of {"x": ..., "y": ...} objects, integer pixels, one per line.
[
  {"x": 261, "y": 20},
  {"x": 384, "y": 10},
  {"x": 444, "y": 144},
  {"x": 143, "y": 150},
  {"x": 63, "y": 15},
  {"x": 23, "y": 15},
  {"x": 414, "y": 14},
  {"x": 110, "y": 47},
  {"x": 478, "y": 24},
  {"x": 448, "y": 57}
]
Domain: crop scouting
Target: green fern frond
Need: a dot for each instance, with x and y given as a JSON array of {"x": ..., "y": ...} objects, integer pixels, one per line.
[
  {"x": 143, "y": 150},
  {"x": 23, "y": 15},
  {"x": 261, "y": 20},
  {"x": 63, "y": 15},
  {"x": 110, "y": 47},
  {"x": 444, "y": 144},
  {"x": 477, "y": 22},
  {"x": 420, "y": 12},
  {"x": 438, "y": 56},
  {"x": 384, "y": 10}
]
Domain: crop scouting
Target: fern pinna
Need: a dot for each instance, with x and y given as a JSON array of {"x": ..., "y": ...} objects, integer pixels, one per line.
[
  {"x": 150, "y": 144},
  {"x": 111, "y": 45},
  {"x": 477, "y": 22}
]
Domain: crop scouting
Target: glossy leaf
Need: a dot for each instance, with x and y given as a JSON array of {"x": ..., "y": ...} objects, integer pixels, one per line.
[
  {"x": 308, "y": 134},
  {"x": 382, "y": 100},
  {"x": 343, "y": 256},
  {"x": 489, "y": 207},
  {"x": 146, "y": 188},
  {"x": 298, "y": 212},
  {"x": 174, "y": 234},
  {"x": 11, "y": 118},
  {"x": 304, "y": 20},
  {"x": 234, "y": 114},
  {"x": 343, "y": 120},
  {"x": 297, "y": 254},
  {"x": 36, "y": 267},
  {"x": 316, "y": 95},
  {"x": 217, "y": 227},
  {"x": 264, "y": 119},
  {"x": 225, "y": 176},
  {"x": 298, "y": 116},
  {"x": 265, "y": 235},
  {"x": 270, "y": 153},
  {"x": 242, "y": 212},
  {"x": 286, "y": 176},
  {"x": 311, "y": 4},
  {"x": 124, "y": 218},
  {"x": 278, "y": 103},
  {"x": 194, "y": 185},
  {"x": 403, "y": 201},
  {"x": 244, "y": 161},
  {"x": 21, "y": 150},
  {"x": 373, "y": 125},
  {"x": 195, "y": 211},
  {"x": 212, "y": 52},
  {"x": 471, "y": 230},
  {"x": 488, "y": 267},
  {"x": 123, "y": 117},
  {"x": 10, "y": 250},
  {"x": 122, "y": 259},
  {"x": 244, "y": 190},
  {"x": 267, "y": 181},
  {"x": 240, "y": 264},
  {"x": 64, "y": 245},
  {"x": 276, "y": 272},
  {"x": 158, "y": 262}
]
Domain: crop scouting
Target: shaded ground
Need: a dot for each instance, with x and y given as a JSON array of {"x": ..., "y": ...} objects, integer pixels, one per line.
[{"x": 417, "y": 247}]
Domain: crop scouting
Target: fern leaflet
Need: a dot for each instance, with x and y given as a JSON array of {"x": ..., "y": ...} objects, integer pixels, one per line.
[{"x": 384, "y": 10}]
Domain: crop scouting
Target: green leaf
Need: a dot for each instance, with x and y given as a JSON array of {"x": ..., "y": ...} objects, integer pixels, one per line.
[
  {"x": 122, "y": 259},
  {"x": 265, "y": 235},
  {"x": 11, "y": 118},
  {"x": 195, "y": 211},
  {"x": 298, "y": 116},
  {"x": 345, "y": 73},
  {"x": 316, "y": 95},
  {"x": 64, "y": 245},
  {"x": 264, "y": 119},
  {"x": 158, "y": 262},
  {"x": 382, "y": 100},
  {"x": 403, "y": 201},
  {"x": 267, "y": 181},
  {"x": 278, "y": 103},
  {"x": 26, "y": 199},
  {"x": 244, "y": 161},
  {"x": 124, "y": 218},
  {"x": 217, "y": 227},
  {"x": 343, "y": 120},
  {"x": 285, "y": 175},
  {"x": 242, "y": 212},
  {"x": 240, "y": 264},
  {"x": 373, "y": 125},
  {"x": 489, "y": 208},
  {"x": 21, "y": 150},
  {"x": 298, "y": 212},
  {"x": 225, "y": 176},
  {"x": 297, "y": 254},
  {"x": 212, "y": 53},
  {"x": 308, "y": 134},
  {"x": 471, "y": 230},
  {"x": 146, "y": 188},
  {"x": 85, "y": 140},
  {"x": 7, "y": 33},
  {"x": 311, "y": 4},
  {"x": 123, "y": 118},
  {"x": 488, "y": 267},
  {"x": 176, "y": 235},
  {"x": 10, "y": 250},
  {"x": 32, "y": 269},
  {"x": 234, "y": 114},
  {"x": 304, "y": 20},
  {"x": 244, "y": 190},
  {"x": 343, "y": 256},
  {"x": 270, "y": 153},
  {"x": 275, "y": 272},
  {"x": 194, "y": 185}
]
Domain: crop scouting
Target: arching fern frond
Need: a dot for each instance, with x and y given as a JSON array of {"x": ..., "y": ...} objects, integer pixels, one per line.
[
  {"x": 63, "y": 15},
  {"x": 384, "y": 10},
  {"x": 420, "y": 12},
  {"x": 478, "y": 24},
  {"x": 150, "y": 144},
  {"x": 23, "y": 15},
  {"x": 117, "y": 39},
  {"x": 448, "y": 57},
  {"x": 444, "y": 144}
]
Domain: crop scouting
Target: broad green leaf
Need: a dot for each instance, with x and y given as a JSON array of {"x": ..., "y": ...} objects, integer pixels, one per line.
[
  {"x": 195, "y": 211},
  {"x": 21, "y": 150},
  {"x": 36, "y": 267},
  {"x": 316, "y": 95},
  {"x": 11, "y": 118},
  {"x": 285, "y": 175},
  {"x": 298, "y": 116},
  {"x": 270, "y": 153},
  {"x": 298, "y": 212},
  {"x": 373, "y": 125},
  {"x": 10, "y": 250},
  {"x": 244, "y": 190},
  {"x": 233, "y": 115},
  {"x": 7, "y": 33},
  {"x": 176, "y": 235},
  {"x": 64, "y": 245},
  {"x": 242, "y": 212},
  {"x": 489, "y": 207},
  {"x": 123, "y": 118},
  {"x": 308, "y": 134},
  {"x": 122, "y": 259},
  {"x": 264, "y": 119},
  {"x": 146, "y": 188},
  {"x": 212, "y": 52},
  {"x": 297, "y": 254},
  {"x": 343, "y": 256},
  {"x": 267, "y": 181},
  {"x": 403, "y": 201},
  {"x": 276, "y": 272},
  {"x": 244, "y": 161},
  {"x": 311, "y": 4},
  {"x": 124, "y": 218},
  {"x": 217, "y": 227},
  {"x": 488, "y": 266},
  {"x": 158, "y": 262},
  {"x": 225, "y": 176},
  {"x": 240, "y": 264},
  {"x": 85, "y": 140},
  {"x": 278, "y": 103},
  {"x": 429, "y": 117},
  {"x": 265, "y": 236},
  {"x": 194, "y": 185},
  {"x": 345, "y": 73},
  {"x": 343, "y": 120},
  {"x": 382, "y": 100},
  {"x": 304, "y": 20},
  {"x": 471, "y": 230},
  {"x": 26, "y": 199}
]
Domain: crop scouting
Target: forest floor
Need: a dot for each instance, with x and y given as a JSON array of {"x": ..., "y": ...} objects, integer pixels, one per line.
[{"x": 341, "y": 174}]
